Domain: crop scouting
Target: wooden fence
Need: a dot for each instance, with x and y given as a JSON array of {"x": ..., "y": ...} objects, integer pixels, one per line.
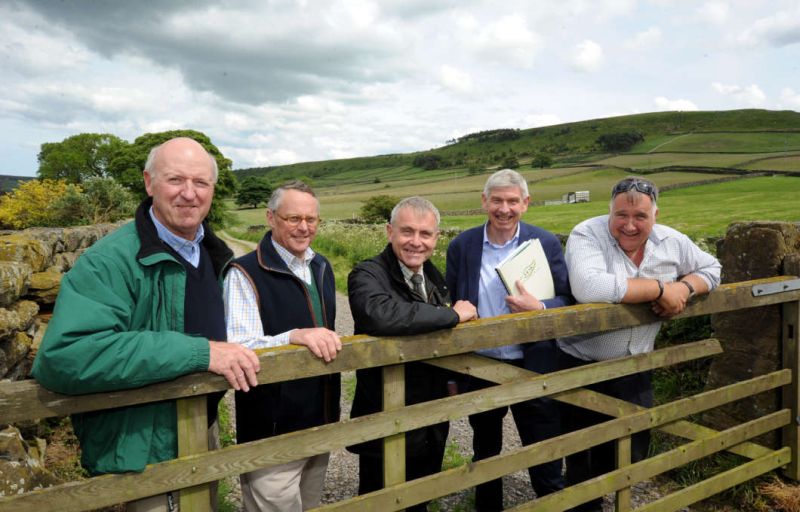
[{"x": 452, "y": 349}]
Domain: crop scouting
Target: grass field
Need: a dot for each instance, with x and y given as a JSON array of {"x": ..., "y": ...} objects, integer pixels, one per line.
[
  {"x": 655, "y": 160},
  {"x": 775, "y": 163},
  {"x": 753, "y": 142}
]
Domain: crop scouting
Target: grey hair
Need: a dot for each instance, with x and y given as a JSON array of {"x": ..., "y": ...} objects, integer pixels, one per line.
[
  {"x": 277, "y": 195},
  {"x": 506, "y": 178},
  {"x": 151, "y": 157},
  {"x": 418, "y": 205}
]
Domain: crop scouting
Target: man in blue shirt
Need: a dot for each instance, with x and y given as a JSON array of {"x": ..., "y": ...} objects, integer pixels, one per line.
[{"x": 471, "y": 260}]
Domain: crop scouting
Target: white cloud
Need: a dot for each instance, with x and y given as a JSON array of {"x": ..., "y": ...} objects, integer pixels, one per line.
[
  {"x": 780, "y": 29},
  {"x": 506, "y": 40},
  {"x": 714, "y": 12},
  {"x": 790, "y": 97},
  {"x": 587, "y": 56},
  {"x": 663, "y": 103},
  {"x": 751, "y": 95},
  {"x": 536, "y": 120},
  {"x": 649, "y": 38},
  {"x": 454, "y": 79}
]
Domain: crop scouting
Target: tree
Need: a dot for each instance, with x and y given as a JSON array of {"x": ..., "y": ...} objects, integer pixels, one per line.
[
  {"x": 541, "y": 160},
  {"x": 378, "y": 208},
  {"x": 428, "y": 162},
  {"x": 127, "y": 165},
  {"x": 252, "y": 191},
  {"x": 621, "y": 141},
  {"x": 510, "y": 162},
  {"x": 79, "y": 157}
]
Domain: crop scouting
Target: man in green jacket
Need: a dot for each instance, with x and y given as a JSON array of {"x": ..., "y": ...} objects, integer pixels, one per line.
[{"x": 144, "y": 305}]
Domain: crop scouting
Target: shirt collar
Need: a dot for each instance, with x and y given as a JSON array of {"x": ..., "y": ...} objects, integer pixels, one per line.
[
  {"x": 514, "y": 239},
  {"x": 407, "y": 272},
  {"x": 173, "y": 240},
  {"x": 290, "y": 258}
]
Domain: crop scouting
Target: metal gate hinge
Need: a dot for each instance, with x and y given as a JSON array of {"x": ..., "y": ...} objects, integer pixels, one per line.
[{"x": 772, "y": 288}]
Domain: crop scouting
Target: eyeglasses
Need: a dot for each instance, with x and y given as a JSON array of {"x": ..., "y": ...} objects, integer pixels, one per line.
[
  {"x": 645, "y": 187},
  {"x": 295, "y": 220}
]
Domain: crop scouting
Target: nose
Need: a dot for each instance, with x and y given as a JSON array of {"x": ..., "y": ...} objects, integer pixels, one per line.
[{"x": 188, "y": 190}]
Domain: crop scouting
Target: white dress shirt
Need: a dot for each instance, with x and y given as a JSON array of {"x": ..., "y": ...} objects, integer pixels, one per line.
[{"x": 599, "y": 271}]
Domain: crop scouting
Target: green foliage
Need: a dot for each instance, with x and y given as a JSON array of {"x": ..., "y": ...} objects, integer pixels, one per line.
[
  {"x": 378, "y": 208},
  {"x": 499, "y": 135},
  {"x": 253, "y": 191},
  {"x": 79, "y": 157},
  {"x": 510, "y": 162},
  {"x": 428, "y": 161},
  {"x": 620, "y": 141},
  {"x": 541, "y": 160},
  {"x": 102, "y": 200}
]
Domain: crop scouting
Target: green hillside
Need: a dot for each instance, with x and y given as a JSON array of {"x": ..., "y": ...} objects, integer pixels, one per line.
[{"x": 723, "y": 132}]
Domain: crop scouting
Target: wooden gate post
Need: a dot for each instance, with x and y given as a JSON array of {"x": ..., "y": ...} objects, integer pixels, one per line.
[
  {"x": 394, "y": 447},
  {"x": 193, "y": 438},
  {"x": 623, "y": 501},
  {"x": 791, "y": 393}
]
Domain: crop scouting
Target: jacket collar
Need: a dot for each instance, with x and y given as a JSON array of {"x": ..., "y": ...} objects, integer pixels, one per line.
[{"x": 151, "y": 245}]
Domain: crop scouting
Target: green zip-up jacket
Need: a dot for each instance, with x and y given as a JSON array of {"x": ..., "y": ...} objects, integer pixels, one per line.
[{"x": 118, "y": 324}]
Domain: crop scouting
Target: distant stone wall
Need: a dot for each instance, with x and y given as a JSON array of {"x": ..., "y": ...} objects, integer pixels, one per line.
[
  {"x": 751, "y": 338},
  {"x": 32, "y": 262}
]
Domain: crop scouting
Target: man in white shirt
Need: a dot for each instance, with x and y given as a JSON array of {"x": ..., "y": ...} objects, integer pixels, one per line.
[
  {"x": 282, "y": 293},
  {"x": 625, "y": 257}
]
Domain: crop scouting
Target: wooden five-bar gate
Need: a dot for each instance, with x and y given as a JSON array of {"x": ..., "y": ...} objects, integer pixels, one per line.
[{"x": 452, "y": 348}]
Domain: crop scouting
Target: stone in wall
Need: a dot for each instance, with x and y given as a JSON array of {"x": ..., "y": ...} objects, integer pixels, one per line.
[
  {"x": 17, "y": 317},
  {"x": 44, "y": 286},
  {"x": 24, "y": 249},
  {"x": 22, "y": 465},
  {"x": 14, "y": 278},
  {"x": 751, "y": 338},
  {"x": 13, "y": 351}
]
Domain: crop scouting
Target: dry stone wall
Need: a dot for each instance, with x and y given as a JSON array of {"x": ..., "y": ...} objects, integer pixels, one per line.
[{"x": 32, "y": 263}]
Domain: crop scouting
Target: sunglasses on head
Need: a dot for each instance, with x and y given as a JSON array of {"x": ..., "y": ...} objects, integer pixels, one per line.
[{"x": 641, "y": 186}]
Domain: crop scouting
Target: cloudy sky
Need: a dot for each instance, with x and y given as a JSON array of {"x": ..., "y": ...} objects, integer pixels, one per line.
[{"x": 274, "y": 82}]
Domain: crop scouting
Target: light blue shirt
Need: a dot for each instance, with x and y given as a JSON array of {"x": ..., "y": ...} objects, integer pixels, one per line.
[
  {"x": 188, "y": 249},
  {"x": 492, "y": 294}
]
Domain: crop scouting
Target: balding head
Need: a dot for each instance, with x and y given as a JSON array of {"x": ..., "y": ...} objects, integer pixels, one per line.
[{"x": 178, "y": 145}]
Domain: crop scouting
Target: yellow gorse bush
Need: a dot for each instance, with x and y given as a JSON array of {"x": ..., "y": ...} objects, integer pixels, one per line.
[{"x": 30, "y": 203}]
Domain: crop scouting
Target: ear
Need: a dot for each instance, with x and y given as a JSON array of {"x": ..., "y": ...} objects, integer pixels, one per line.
[
  {"x": 270, "y": 219},
  {"x": 388, "y": 231},
  {"x": 148, "y": 180},
  {"x": 484, "y": 202}
]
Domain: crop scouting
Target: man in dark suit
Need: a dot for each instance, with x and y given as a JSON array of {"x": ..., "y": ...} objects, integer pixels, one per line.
[
  {"x": 400, "y": 292},
  {"x": 471, "y": 260}
]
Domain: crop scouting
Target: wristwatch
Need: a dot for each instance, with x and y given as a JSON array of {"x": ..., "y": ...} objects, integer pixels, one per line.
[{"x": 692, "y": 293}]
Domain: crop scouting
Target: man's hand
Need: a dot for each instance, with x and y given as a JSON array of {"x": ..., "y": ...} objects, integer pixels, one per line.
[
  {"x": 466, "y": 311},
  {"x": 322, "y": 342},
  {"x": 673, "y": 301},
  {"x": 236, "y": 363},
  {"x": 523, "y": 302}
]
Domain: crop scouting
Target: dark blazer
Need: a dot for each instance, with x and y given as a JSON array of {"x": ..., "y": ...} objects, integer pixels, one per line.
[
  {"x": 464, "y": 264},
  {"x": 382, "y": 304}
]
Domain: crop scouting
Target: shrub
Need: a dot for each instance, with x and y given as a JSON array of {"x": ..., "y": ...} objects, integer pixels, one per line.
[
  {"x": 622, "y": 141},
  {"x": 542, "y": 160},
  {"x": 378, "y": 208},
  {"x": 31, "y": 204}
]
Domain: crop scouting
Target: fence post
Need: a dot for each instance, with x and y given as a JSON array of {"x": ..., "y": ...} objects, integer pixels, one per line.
[
  {"x": 193, "y": 438},
  {"x": 790, "y": 315},
  {"x": 623, "y": 501},
  {"x": 394, "y": 447}
]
